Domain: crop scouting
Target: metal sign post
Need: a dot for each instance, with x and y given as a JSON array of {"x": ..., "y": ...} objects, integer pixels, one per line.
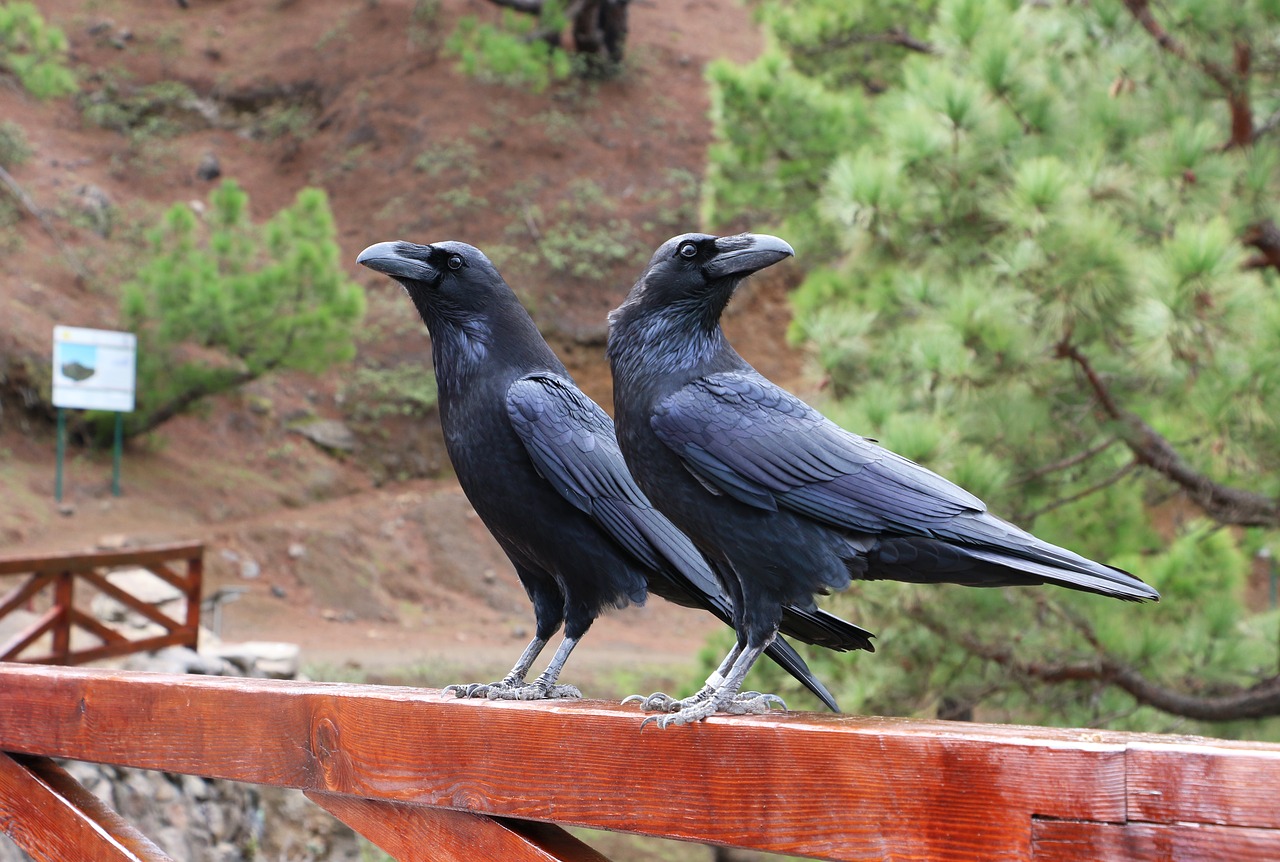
[{"x": 93, "y": 369}]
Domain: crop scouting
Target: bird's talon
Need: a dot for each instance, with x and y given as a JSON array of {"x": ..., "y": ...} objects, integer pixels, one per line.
[{"x": 463, "y": 690}]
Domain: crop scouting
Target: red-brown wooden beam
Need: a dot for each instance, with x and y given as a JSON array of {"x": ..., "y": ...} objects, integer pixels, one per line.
[
  {"x": 833, "y": 787},
  {"x": 24, "y": 592},
  {"x": 80, "y": 561},
  {"x": 10, "y": 650},
  {"x": 48, "y": 814},
  {"x": 1076, "y": 841},
  {"x": 413, "y": 833}
]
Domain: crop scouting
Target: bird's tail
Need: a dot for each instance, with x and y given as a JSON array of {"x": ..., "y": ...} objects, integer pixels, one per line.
[
  {"x": 984, "y": 551},
  {"x": 1063, "y": 571},
  {"x": 820, "y": 628},
  {"x": 789, "y": 660}
]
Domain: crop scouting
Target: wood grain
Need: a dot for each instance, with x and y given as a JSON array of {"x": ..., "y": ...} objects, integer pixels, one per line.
[
  {"x": 48, "y": 814},
  {"x": 413, "y": 833},
  {"x": 1076, "y": 841},
  {"x": 831, "y": 787},
  {"x": 1236, "y": 783}
]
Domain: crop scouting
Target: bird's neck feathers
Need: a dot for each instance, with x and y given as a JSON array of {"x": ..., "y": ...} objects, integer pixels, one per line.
[
  {"x": 681, "y": 339},
  {"x": 467, "y": 347}
]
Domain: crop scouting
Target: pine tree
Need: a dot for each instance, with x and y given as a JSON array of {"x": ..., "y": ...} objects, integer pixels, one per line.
[
  {"x": 1026, "y": 229},
  {"x": 221, "y": 301}
]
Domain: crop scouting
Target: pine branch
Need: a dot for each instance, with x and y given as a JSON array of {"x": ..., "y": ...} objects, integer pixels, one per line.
[
  {"x": 893, "y": 36},
  {"x": 1068, "y": 462},
  {"x": 1261, "y": 700},
  {"x": 1233, "y": 81},
  {"x": 1265, "y": 237},
  {"x": 1223, "y": 503},
  {"x": 1089, "y": 491}
]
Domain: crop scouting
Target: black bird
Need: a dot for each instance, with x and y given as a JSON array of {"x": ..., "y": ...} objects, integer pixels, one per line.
[
  {"x": 783, "y": 502},
  {"x": 540, "y": 464}
]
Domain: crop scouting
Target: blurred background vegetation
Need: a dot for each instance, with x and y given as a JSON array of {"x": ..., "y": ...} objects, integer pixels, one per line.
[{"x": 1041, "y": 260}]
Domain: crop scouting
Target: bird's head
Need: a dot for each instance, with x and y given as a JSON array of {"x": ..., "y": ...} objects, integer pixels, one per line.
[
  {"x": 465, "y": 303},
  {"x": 697, "y": 273},
  {"x": 444, "y": 278}
]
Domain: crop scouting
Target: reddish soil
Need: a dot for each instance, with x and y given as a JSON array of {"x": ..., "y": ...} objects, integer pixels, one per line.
[{"x": 365, "y": 558}]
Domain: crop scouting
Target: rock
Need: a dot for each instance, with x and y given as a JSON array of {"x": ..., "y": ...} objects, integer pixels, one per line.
[
  {"x": 113, "y": 542},
  {"x": 250, "y": 570},
  {"x": 179, "y": 659},
  {"x": 297, "y": 550},
  {"x": 261, "y": 659},
  {"x": 327, "y": 434},
  {"x": 209, "y": 168},
  {"x": 279, "y": 591}
]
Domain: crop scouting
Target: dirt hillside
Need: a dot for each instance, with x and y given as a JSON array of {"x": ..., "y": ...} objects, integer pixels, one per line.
[{"x": 371, "y": 557}]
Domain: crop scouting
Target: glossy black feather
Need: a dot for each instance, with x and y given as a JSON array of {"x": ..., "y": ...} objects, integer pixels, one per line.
[{"x": 540, "y": 463}]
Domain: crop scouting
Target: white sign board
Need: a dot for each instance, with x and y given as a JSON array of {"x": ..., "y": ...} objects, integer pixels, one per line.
[{"x": 94, "y": 369}]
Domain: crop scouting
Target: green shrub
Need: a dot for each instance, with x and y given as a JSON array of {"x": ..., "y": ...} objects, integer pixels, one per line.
[
  {"x": 34, "y": 51},
  {"x": 506, "y": 55},
  {"x": 219, "y": 301}
]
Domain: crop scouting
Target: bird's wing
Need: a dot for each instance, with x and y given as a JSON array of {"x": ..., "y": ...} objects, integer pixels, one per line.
[
  {"x": 571, "y": 442},
  {"x": 747, "y": 438}
]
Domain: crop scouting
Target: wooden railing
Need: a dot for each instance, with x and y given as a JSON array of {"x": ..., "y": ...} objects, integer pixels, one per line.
[
  {"x": 58, "y": 574},
  {"x": 426, "y": 777}
]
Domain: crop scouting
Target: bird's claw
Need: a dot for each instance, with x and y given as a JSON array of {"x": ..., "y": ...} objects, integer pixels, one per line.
[
  {"x": 746, "y": 703},
  {"x": 535, "y": 691},
  {"x": 469, "y": 689},
  {"x": 662, "y": 702},
  {"x": 753, "y": 703},
  {"x": 513, "y": 690}
]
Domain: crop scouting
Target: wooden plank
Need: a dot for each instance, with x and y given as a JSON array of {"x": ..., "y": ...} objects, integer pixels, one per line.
[
  {"x": 64, "y": 600},
  {"x": 80, "y": 561},
  {"x": 413, "y": 833},
  {"x": 95, "y": 627},
  {"x": 195, "y": 582},
  {"x": 1077, "y": 841},
  {"x": 178, "y": 637},
  {"x": 48, "y": 814},
  {"x": 168, "y": 575},
  {"x": 1186, "y": 779},
  {"x": 132, "y": 602},
  {"x": 20, "y": 594},
  {"x": 9, "y": 651},
  {"x": 834, "y": 787}
]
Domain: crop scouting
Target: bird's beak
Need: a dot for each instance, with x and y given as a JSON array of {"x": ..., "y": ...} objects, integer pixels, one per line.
[
  {"x": 746, "y": 253},
  {"x": 399, "y": 260}
]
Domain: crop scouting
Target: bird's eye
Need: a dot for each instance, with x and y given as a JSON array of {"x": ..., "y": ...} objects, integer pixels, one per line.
[
  {"x": 688, "y": 249},
  {"x": 455, "y": 261}
]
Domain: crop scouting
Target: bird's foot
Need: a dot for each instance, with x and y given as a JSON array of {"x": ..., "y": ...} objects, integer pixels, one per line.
[
  {"x": 753, "y": 703},
  {"x": 535, "y": 691},
  {"x": 469, "y": 689},
  {"x": 513, "y": 690},
  {"x": 661, "y": 702},
  {"x": 746, "y": 703}
]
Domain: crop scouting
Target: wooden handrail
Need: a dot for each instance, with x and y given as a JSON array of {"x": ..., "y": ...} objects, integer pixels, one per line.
[
  {"x": 831, "y": 787},
  {"x": 61, "y": 571}
]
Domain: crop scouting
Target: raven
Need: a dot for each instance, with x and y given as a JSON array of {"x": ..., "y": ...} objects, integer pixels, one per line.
[
  {"x": 784, "y": 503},
  {"x": 540, "y": 464}
]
